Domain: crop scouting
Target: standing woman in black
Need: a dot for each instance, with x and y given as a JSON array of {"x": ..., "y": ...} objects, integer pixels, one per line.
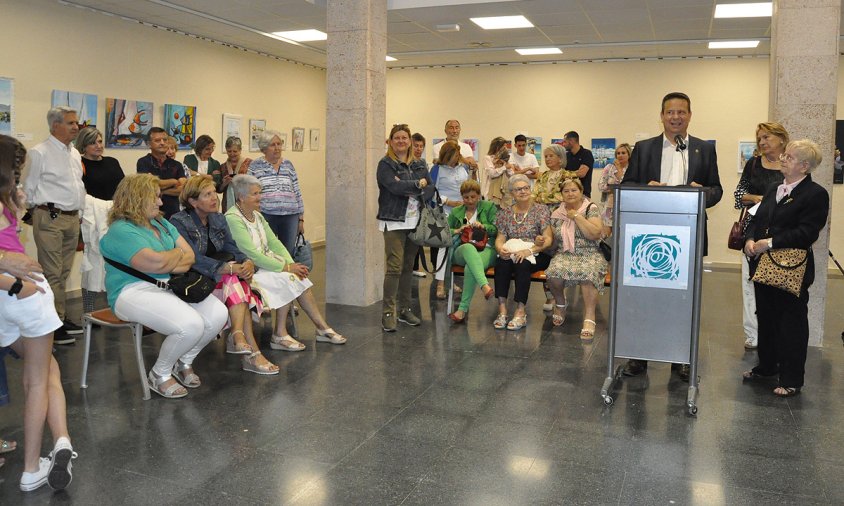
[{"x": 791, "y": 216}]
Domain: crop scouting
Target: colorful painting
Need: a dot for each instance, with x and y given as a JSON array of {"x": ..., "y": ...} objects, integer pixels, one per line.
[
  {"x": 534, "y": 147},
  {"x": 475, "y": 144},
  {"x": 180, "y": 122},
  {"x": 256, "y": 128},
  {"x": 314, "y": 139},
  {"x": 745, "y": 153},
  {"x": 656, "y": 256},
  {"x": 232, "y": 127},
  {"x": 7, "y": 105},
  {"x": 603, "y": 150},
  {"x": 557, "y": 141},
  {"x": 127, "y": 122},
  {"x": 85, "y": 105},
  {"x": 298, "y": 139}
]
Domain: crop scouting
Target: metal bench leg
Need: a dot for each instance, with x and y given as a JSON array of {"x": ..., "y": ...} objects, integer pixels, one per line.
[
  {"x": 292, "y": 315},
  {"x": 450, "y": 303},
  {"x": 83, "y": 383},
  {"x": 137, "y": 333}
]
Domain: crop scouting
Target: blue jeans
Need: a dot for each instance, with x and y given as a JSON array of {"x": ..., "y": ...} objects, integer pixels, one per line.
[{"x": 285, "y": 227}]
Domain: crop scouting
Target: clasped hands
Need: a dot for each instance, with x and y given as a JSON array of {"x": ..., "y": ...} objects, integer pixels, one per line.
[
  {"x": 520, "y": 255},
  {"x": 755, "y": 248}
]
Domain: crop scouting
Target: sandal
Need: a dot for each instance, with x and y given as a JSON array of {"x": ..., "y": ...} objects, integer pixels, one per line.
[
  {"x": 235, "y": 348},
  {"x": 285, "y": 343},
  {"x": 250, "y": 364},
  {"x": 587, "y": 334},
  {"x": 782, "y": 391},
  {"x": 457, "y": 289},
  {"x": 441, "y": 291},
  {"x": 329, "y": 336},
  {"x": 753, "y": 375},
  {"x": 517, "y": 322},
  {"x": 184, "y": 374},
  {"x": 558, "y": 319},
  {"x": 156, "y": 384},
  {"x": 487, "y": 291},
  {"x": 7, "y": 446},
  {"x": 500, "y": 321}
]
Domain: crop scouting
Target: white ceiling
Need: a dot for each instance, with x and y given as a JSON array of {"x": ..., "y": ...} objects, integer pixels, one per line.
[{"x": 583, "y": 29}]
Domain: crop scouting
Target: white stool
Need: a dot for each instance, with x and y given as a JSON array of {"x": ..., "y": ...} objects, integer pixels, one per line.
[{"x": 105, "y": 318}]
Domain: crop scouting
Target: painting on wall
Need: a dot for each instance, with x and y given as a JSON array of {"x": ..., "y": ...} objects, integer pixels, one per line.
[
  {"x": 837, "y": 164},
  {"x": 557, "y": 141},
  {"x": 534, "y": 147},
  {"x": 7, "y": 105},
  {"x": 298, "y": 139},
  {"x": 180, "y": 122},
  {"x": 314, "y": 139},
  {"x": 232, "y": 127},
  {"x": 745, "y": 153},
  {"x": 127, "y": 122},
  {"x": 85, "y": 105},
  {"x": 475, "y": 144},
  {"x": 603, "y": 151},
  {"x": 256, "y": 128}
]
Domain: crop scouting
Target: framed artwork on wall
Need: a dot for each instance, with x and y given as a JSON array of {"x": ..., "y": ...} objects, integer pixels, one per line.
[
  {"x": 534, "y": 147},
  {"x": 256, "y": 128},
  {"x": 603, "y": 150},
  {"x": 180, "y": 123},
  {"x": 127, "y": 122},
  {"x": 745, "y": 153},
  {"x": 298, "y": 139},
  {"x": 475, "y": 144},
  {"x": 85, "y": 105},
  {"x": 314, "y": 139},
  {"x": 232, "y": 127},
  {"x": 284, "y": 140},
  {"x": 7, "y": 105}
]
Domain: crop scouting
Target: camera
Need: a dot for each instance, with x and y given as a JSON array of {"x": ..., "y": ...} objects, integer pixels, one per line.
[{"x": 503, "y": 155}]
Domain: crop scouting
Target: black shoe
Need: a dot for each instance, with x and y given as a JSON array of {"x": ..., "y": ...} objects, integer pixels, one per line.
[
  {"x": 60, "y": 337},
  {"x": 635, "y": 367},
  {"x": 71, "y": 328},
  {"x": 683, "y": 371}
]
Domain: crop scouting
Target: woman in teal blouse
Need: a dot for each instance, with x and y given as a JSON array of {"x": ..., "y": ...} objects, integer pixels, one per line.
[{"x": 474, "y": 212}]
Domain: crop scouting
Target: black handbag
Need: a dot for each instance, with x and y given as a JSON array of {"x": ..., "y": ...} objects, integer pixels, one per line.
[
  {"x": 606, "y": 249},
  {"x": 190, "y": 286}
]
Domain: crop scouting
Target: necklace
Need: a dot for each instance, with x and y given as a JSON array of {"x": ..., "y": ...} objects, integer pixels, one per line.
[
  {"x": 250, "y": 220},
  {"x": 516, "y": 216}
]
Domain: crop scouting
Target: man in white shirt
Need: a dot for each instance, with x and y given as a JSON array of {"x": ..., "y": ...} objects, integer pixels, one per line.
[
  {"x": 523, "y": 162},
  {"x": 55, "y": 194},
  {"x": 452, "y": 133}
]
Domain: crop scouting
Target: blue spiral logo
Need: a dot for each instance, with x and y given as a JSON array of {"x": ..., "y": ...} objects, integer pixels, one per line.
[{"x": 654, "y": 256}]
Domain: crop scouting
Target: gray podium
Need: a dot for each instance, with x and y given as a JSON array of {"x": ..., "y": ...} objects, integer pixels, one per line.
[{"x": 658, "y": 235}]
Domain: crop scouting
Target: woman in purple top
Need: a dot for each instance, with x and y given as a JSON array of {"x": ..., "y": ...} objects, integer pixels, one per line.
[{"x": 281, "y": 197}]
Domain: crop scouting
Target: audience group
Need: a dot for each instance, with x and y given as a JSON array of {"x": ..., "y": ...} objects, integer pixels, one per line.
[{"x": 237, "y": 223}]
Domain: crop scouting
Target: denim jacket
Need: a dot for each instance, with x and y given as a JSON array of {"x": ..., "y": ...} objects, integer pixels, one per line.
[
  {"x": 195, "y": 233},
  {"x": 397, "y": 182}
]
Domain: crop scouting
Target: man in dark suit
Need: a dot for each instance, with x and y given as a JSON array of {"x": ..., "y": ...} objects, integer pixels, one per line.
[{"x": 674, "y": 159}]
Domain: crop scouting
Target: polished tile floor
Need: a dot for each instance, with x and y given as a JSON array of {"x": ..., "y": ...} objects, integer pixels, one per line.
[{"x": 445, "y": 414}]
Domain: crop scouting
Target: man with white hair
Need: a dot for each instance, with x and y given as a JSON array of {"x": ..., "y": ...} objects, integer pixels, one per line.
[{"x": 54, "y": 195}]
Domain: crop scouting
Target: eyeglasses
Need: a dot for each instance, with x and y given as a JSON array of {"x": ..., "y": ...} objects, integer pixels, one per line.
[
  {"x": 521, "y": 189},
  {"x": 785, "y": 157}
]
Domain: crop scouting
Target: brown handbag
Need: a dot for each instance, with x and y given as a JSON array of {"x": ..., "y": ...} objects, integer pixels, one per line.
[
  {"x": 736, "y": 239},
  {"x": 782, "y": 268}
]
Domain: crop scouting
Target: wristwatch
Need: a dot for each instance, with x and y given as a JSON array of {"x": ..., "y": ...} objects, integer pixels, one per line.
[{"x": 16, "y": 287}]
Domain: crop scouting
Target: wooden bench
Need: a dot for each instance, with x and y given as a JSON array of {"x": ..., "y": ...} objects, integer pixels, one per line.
[{"x": 459, "y": 270}]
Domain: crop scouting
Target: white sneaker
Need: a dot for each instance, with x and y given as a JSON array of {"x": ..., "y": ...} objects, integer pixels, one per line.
[
  {"x": 419, "y": 274},
  {"x": 60, "y": 474},
  {"x": 750, "y": 344},
  {"x": 32, "y": 481}
]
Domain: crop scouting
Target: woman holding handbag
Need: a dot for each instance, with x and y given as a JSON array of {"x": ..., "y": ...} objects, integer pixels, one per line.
[
  {"x": 759, "y": 173},
  {"x": 791, "y": 216},
  {"x": 474, "y": 220}
]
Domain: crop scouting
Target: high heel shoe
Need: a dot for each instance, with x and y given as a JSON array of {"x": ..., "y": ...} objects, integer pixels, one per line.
[
  {"x": 235, "y": 348},
  {"x": 250, "y": 364},
  {"x": 457, "y": 319}
]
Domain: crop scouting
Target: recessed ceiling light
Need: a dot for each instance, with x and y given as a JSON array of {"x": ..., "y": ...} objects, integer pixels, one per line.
[
  {"x": 733, "y": 44},
  {"x": 502, "y": 22},
  {"x": 531, "y": 51},
  {"x": 750, "y": 10},
  {"x": 303, "y": 35},
  {"x": 390, "y": 58}
]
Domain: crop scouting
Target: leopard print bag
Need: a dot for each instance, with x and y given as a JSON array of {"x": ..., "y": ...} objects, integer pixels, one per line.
[{"x": 782, "y": 268}]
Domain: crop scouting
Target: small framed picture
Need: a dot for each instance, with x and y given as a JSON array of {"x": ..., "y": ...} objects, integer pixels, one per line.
[
  {"x": 256, "y": 128},
  {"x": 314, "y": 139},
  {"x": 298, "y": 139},
  {"x": 745, "y": 153}
]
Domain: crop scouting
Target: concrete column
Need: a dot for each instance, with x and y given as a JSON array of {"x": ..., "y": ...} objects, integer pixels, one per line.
[
  {"x": 803, "y": 95},
  {"x": 357, "y": 47}
]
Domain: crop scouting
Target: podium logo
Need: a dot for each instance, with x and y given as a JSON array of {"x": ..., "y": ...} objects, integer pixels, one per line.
[{"x": 655, "y": 256}]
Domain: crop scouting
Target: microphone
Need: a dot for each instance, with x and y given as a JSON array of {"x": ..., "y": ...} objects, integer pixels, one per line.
[{"x": 681, "y": 145}]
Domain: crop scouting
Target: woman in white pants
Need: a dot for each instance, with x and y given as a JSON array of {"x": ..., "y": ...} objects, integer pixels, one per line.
[{"x": 139, "y": 238}]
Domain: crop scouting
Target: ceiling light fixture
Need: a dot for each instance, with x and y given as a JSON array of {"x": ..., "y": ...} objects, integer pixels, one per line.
[
  {"x": 502, "y": 22},
  {"x": 390, "y": 58},
  {"x": 749, "y": 10},
  {"x": 303, "y": 35},
  {"x": 733, "y": 44},
  {"x": 447, "y": 28},
  {"x": 532, "y": 51}
]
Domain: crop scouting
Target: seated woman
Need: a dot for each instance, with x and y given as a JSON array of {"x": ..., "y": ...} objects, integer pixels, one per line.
[
  {"x": 474, "y": 213},
  {"x": 255, "y": 238},
  {"x": 137, "y": 237},
  {"x": 27, "y": 321},
  {"x": 217, "y": 257},
  {"x": 577, "y": 229},
  {"x": 528, "y": 222}
]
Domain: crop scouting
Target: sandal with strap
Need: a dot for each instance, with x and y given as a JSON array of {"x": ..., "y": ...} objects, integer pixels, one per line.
[
  {"x": 250, "y": 364},
  {"x": 753, "y": 375},
  {"x": 235, "y": 348},
  {"x": 329, "y": 335},
  {"x": 517, "y": 322},
  {"x": 558, "y": 319},
  {"x": 285, "y": 343},
  {"x": 782, "y": 391},
  {"x": 500, "y": 321},
  {"x": 7, "y": 446},
  {"x": 587, "y": 334},
  {"x": 184, "y": 374},
  {"x": 174, "y": 391}
]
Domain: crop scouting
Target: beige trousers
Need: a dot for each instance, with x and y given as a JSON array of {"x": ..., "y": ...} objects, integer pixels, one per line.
[{"x": 56, "y": 240}]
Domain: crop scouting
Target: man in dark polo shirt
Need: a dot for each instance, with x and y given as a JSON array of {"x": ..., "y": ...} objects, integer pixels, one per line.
[
  {"x": 170, "y": 172},
  {"x": 580, "y": 160}
]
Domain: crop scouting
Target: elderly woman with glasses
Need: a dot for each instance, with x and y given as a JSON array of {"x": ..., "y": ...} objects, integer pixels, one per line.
[{"x": 524, "y": 232}]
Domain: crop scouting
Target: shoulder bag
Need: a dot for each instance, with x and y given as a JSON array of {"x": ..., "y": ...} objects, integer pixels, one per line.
[
  {"x": 191, "y": 286},
  {"x": 782, "y": 268},
  {"x": 432, "y": 230},
  {"x": 736, "y": 238},
  {"x": 302, "y": 252}
]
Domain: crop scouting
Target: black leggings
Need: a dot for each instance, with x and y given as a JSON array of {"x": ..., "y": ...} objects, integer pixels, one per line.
[{"x": 507, "y": 269}]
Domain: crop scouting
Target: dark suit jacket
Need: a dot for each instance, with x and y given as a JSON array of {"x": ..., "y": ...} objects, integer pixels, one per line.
[
  {"x": 646, "y": 164},
  {"x": 795, "y": 222}
]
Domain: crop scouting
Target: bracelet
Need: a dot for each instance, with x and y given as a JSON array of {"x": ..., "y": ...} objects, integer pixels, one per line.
[{"x": 231, "y": 268}]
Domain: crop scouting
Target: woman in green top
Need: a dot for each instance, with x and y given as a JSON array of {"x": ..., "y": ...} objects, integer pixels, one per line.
[
  {"x": 478, "y": 213},
  {"x": 202, "y": 163},
  {"x": 279, "y": 279}
]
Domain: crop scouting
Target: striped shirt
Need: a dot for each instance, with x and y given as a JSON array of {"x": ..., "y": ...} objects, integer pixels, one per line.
[{"x": 280, "y": 194}]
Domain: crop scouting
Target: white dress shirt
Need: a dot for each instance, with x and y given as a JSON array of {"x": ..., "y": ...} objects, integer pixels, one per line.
[
  {"x": 55, "y": 176},
  {"x": 465, "y": 150},
  {"x": 675, "y": 165}
]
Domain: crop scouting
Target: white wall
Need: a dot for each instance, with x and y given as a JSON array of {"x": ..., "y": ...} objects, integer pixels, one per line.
[{"x": 46, "y": 46}]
